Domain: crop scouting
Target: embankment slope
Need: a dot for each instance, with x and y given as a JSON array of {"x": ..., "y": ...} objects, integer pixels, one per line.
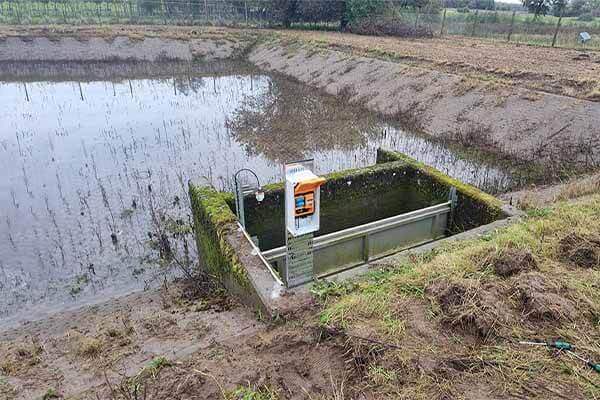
[{"x": 522, "y": 123}]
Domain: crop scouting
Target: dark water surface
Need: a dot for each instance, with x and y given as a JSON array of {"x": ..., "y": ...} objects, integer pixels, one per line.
[{"x": 93, "y": 170}]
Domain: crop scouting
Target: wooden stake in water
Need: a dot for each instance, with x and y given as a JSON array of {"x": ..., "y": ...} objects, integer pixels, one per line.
[{"x": 26, "y": 92}]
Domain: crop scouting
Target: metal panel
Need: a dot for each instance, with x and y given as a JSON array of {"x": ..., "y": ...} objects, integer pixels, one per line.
[
  {"x": 341, "y": 255},
  {"x": 360, "y": 244},
  {"x": 299, "y": 262}
]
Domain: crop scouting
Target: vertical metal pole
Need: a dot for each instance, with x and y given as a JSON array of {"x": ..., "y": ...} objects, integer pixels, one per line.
[
  {"x": 453, "y": 199},
  {"x": 512, "y": 24},
  {"x": 246, "y": 11},
  {"x": 416, "y": 20},
  {"x": 562, "y": 10},
  {"x": 475, "y": 23},
  {"x": 239, "y": 203},
  {"x": 443, "y": 23}
]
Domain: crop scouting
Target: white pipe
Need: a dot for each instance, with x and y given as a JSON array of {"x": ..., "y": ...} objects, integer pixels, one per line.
[{"x": 259, "y": 253}]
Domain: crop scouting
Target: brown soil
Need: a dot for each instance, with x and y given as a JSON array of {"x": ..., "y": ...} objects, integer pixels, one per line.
[
  {"x": 476, "y": 310},
  {"x": 544, "y": 301},
  {"x": 528, "y": 127},
  {"x": 581, "y": 251},
  {"x": 510, "y": 262},
  {"x": 134, "y": 32},
  {"x": 560, "y": 71},
  {"x": 539, "y": 197},
  {"x": 211, "y": 344},
  {"x": 121, "y": 43}
]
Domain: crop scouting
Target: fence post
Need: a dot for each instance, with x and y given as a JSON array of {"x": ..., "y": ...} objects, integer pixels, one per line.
[
  {"x": 443, "y": 23},
  {"x": 557, "y": 26},
  {"x": 416, "y": 19},
  {"x": 475, "y": 22},
  {"x": 246, "y": 11},
  {"x": 512, "y": 24},
  {"x": 131, "y": 17}
]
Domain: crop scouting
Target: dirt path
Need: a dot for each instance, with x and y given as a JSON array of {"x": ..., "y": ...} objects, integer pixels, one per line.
[
  {"x": 202, "y": 346},
  {"x": 560, "y": 71}
]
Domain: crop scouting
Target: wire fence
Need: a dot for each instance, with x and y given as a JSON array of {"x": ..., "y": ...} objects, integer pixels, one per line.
[
  {"x": 165, "y": 12},
  {"x": 396, "y": 21}
]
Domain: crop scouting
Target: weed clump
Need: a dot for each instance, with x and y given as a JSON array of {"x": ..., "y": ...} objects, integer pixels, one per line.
[
  {"x": 21, "y": 356},
  {"x": 580, "y": 250},
  {"x": 88, "y": 347},
  {"x": 475, "y": 308},
  {"x": 541, "y": 300},
  {"x": 509, "y": 262}
]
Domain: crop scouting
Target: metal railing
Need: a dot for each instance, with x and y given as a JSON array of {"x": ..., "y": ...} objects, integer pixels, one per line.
[{"x": 361, "y": 244}]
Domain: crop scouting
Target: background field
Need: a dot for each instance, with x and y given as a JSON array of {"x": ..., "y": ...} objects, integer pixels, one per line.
[{"x": 520, "y": 27}]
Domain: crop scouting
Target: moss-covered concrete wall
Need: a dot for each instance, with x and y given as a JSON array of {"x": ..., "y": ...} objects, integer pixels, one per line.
[
  {"x": 473, "y": 208},
  {"x": 215, "y": 227},
  {"x": 396, "y": 184},
  {"x": 227, "y": 255},
  {"x": 349, "y": 198}
]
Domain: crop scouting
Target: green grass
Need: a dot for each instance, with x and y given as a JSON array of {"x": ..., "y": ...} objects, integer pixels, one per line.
[
  {"x": 252, "y": 393},
  {"x": 385, "y": 306}
]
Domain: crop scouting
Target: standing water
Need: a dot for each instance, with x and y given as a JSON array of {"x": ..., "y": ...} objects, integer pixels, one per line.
[{"x": 93, "y": 187}]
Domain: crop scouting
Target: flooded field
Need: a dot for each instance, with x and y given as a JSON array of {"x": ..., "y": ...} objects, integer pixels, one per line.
[{"x": 94, "y": 172}]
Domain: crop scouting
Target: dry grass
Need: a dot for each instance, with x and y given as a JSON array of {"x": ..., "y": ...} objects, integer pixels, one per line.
[
  {"x": 85, "y": 346},
  {"x": 464, "y": 86},
  {"x": 536, "y": 68},
  {"x": 594, "y": 94},
  {"x": 17, "y": 358},
  {"x": 579, "y": 188},
  {"x": 531, "y": 95}
]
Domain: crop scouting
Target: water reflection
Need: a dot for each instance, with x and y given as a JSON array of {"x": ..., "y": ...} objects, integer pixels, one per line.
[{"x": 90, "y": 168}]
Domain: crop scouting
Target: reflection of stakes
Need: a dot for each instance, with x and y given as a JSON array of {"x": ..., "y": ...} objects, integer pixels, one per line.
[
  {"x": 62, "y": 196},
  {"x": 80, "y": 91},
  {"x": 26, "y": 92},
  {"x": 112, "y": 226},
  {"x": 14, "y": 199},
  {"x": 59, "y": 243},
  {"x": 95, "y": 230},
  {"x": 10, "y": 238}
]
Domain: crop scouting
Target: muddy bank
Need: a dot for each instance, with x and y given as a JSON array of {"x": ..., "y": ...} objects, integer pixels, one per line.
[
  {"x": 170, "y": 343},
  {"x": 522, "y": 124},
  {"x": 61, "y": 71},
  {"x": 119, "y": 48}
]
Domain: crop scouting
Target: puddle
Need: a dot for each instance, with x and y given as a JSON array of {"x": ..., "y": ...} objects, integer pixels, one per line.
[{"x": 95, "y": 170}]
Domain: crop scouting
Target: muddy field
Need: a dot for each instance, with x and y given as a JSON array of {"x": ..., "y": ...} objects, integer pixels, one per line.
[
  {"x": 97, "y": 157},
  {"x": 443, "y": 326},
  {"x": 544, "y": 135},
  {"x": 174, "y": 342},
  {"x": 560, "y": 71}
]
